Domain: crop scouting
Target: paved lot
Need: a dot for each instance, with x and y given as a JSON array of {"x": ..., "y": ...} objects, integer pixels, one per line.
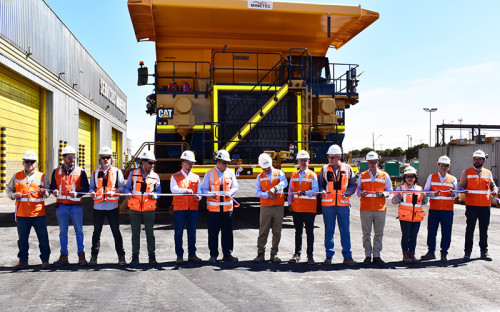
[{"x": 246, "y": 286}]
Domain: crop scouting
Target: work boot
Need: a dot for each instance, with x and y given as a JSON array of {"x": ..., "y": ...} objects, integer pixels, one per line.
[
  {"x": 20, "y": 265},
  {"x": 259, "y": 258},
  {"x": 466, "y": 256},
  {"x": 179, "y": 260},
  {"x": 368, "y": 260},
  {"x": 406, "y": 257},
  {"x": 485, "y": 256},
  {"x": 135, "y": 259},
  {"x": 378, "y": 261},
  {"x": 275, "y": 259},
  {"x": 121, "y": 261},
  {"x": 81, "y": 259},
  {"x": 350, "y": 262},
  {"x": 328, "y": 260},
  {"x": 212, "y": 260},
  {"x": 45, "y": 265},
  {"x": 295, "y": 258},
  {"x": 63, "y": 260},
  {"x": 443, "y": 257},
  {"x": 152, "y": 259},
  {"x": 93, "y": 260},
  {"x": 412, "y": 257},
  {"x": 194, "y": 259},
  {"x": 230, "y": 258},
  {"x": 428, "y": 256},
  {"x": 310, "y": 259}
]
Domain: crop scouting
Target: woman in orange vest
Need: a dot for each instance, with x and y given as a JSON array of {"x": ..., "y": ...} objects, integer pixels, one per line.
[
  {"x": 410, "y": 213},
  {"x": 30, "y": 209}
]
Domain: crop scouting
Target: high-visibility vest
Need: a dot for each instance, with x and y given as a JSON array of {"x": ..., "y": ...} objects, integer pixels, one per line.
[
  {"x": 111, "y": 185},
  {"x": 478, "y": 188},
  {"x": 303, "y": 203},
  {"x": 371, "y": 201},
  {"x": 220, "y": 188},
  {"x": 67, "y": 183},
  {"x": 140, "y": 201},
  {"x": 444, "y": 201},
  {"x": 336, "y": 191},
  {"x": 407, "y": 210},
  {"x": 32, "y": 205},
  {"x": 266, "y": 184},
  {"x": 191, "y": 183}
]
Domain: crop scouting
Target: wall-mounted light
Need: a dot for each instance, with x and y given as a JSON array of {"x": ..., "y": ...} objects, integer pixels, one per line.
[
  {"x": 74, "y": 85},
  {"x": 107, "y": 107},
  {"x": 60, "y": 74}
]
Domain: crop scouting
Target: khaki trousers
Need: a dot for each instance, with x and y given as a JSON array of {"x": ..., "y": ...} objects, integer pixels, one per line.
[
  {"x": 270, "y": 217},
  {"x": 377, "y": 219}
]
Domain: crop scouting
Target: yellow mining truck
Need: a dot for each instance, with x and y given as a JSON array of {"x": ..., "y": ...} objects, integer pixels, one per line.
[{"x": 246, "y": 76}]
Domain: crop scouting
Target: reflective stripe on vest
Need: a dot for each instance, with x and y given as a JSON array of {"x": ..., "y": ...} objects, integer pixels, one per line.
[
  {"x": 266, "y": 184},
  {"x": 191, "y": 183},
  {"x": 112, "y": 180},
  {"x": 444, "y": 201},
  {"x": 214, "y": 205},
  {"x": 139, "y": 201},
  {"x": 303, "y": 203},
  {"x": 335, "y": 197},
  {"x": 478, "y": 187},
  {"x": 68, "y": 183},
  {"x": 407, "y": 211},
  {"x": 32, "y": 205},
  {"x": 371, "y": 201}
]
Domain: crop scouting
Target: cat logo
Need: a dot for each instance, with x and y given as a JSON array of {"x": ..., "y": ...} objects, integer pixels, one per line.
[{"x": 165, "y": 113}]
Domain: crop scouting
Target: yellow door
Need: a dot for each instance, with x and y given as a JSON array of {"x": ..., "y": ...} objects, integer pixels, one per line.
[
  {"x": 115, "y": 146},
  {"x": 20, "y": 114},
  {"x": 85, "y": 142}
]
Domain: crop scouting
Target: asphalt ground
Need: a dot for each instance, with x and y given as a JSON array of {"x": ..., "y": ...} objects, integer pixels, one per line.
[{"x": 246, "y": 286}]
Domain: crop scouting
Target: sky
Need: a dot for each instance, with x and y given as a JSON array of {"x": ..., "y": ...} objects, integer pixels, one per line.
[{"x": 418, "y": 54}]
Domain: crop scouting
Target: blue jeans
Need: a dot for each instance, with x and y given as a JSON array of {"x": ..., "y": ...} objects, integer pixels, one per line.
[
  {"x": 220, "y": 222},
  {"x": 331, "y": 214},
  {"x": 63, "y": 213},
  {"x": 182, "y": 217},
  {"x": 24, "y": 225},
  {"x": 436, "y": 217},
  {"x": 409, "y": 237}
]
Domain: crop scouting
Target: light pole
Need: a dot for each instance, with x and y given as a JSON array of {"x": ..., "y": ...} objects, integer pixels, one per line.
[
  {"x": 409, "y": 138},
  {"x": 430, "y": 110},
  {"x": 460, "y": 121},
  {"x": 373, "y": 139}
]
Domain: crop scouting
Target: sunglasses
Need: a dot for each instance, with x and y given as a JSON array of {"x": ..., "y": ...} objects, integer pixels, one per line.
[
  {"x": 372, "y": 162},
  {"x": 302, "y": 160},
  {"x": 106, "y": 157},
  {"x": 411, "y": 177},
  {"x": 29, "y": 162},
  {"x": 70, "y": 157},
  {"x": 478, "y": 159},
  {"x": 333, "y": 157},
  {"x": 444, "y": 165},
  {"x": 224, "y": 162},
  {"x": 151, "y": 163}
]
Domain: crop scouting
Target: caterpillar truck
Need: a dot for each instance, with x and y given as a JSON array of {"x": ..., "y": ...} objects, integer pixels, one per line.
[{"x": 246, "y": 76}]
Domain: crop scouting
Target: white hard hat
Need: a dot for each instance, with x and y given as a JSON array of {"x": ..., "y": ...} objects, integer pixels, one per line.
[
  {"x": 444, "y": 160},
  {"x": 68, "y": 149},
  {"x": 479, "y": 154},
  {"x": 188, "y": 155},
  {"x": 372, "y": 156},
  {"x": 410, "y": 170},
  {"x": 303, "y": 155},
  {"x": 222, "y": 155},
  {"x": 148, "y": 155},
  {"x": 105, "y": 151},
  {"x": 30, "y": 155},
  {"x": 265, "y": 161},
  {"x": 334, "y": 150}
]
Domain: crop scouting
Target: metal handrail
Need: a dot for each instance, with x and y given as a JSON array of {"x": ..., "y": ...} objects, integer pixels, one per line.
[
  {"x": 128, "y": 165},
  {"x": 194, "y": 78}
]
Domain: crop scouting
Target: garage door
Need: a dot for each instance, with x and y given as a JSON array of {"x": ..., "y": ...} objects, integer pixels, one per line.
[
  {"x": 85, "y": 139},
  {"x": 115, "y": 146},
  {"x": 20, "y": 113}
]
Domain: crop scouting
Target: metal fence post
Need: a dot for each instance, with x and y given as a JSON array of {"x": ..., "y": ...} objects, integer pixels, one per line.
[{"x": 3, "y": 159}]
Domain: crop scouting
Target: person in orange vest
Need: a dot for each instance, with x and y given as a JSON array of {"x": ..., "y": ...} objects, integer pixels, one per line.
[
  {"x": 478, "y": 184},
  {"x": 105, "y": 182},
  {"x": 302, "y": 198},
  {"x": 337, "y": 183},
  {"x": 30, "y": 209},
  {"x": 220, "y": 181},
  {"x": 410, "y": 212},
  {"x": 67, "y": 181},
  {"x": 440, "y": 208},
  {"x": 373, "y": 185},
  {"x": 269, "y": 188},
  {"x": 185, "y": 207},
  {"x": 142, "y": 187}
]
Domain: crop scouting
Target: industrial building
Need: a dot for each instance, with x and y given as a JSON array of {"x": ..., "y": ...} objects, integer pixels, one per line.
[{"x": 52, "y": 92}]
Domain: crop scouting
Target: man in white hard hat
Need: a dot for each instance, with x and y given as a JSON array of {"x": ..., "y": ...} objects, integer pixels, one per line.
[
  {"x": 220, "y": 181},
  {"x": 373, "y": 185},
  {"x": 269, "y": 188},
  {"x": 479, "y": 184},
  {"x": 105, "y": 182},
  {"x": 28, "y": 189},
  {"x": 302, "y": 198},
  {"x": 185, "y": 207},
  {"x": 67, "y": 181},
  {"x": 142, "y": 186},
  {"x": 440, "y": 208},
  {"x": 337, "y": 183}
]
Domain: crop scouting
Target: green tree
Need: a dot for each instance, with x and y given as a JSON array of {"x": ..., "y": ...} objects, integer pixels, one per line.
[{"x": 412, "y": 152}]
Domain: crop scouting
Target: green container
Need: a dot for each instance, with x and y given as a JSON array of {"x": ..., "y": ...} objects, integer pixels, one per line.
[
  {"x": 414, "y": 164},
  {"x": 363, "y": 166},
  {"x": 393, "y": 168}
]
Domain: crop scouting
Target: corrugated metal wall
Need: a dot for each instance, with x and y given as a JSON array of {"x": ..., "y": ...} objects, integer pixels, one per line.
[
  {"x": 33, "y": 27},
  {"x": 461, "y": 158}
]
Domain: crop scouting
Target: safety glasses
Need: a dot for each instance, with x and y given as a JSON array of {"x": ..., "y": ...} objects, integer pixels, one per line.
[
  {"x": 106, "y": 157},
  {"x": 444, "y": 165},
  {"x": 30, "y": 162}
]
